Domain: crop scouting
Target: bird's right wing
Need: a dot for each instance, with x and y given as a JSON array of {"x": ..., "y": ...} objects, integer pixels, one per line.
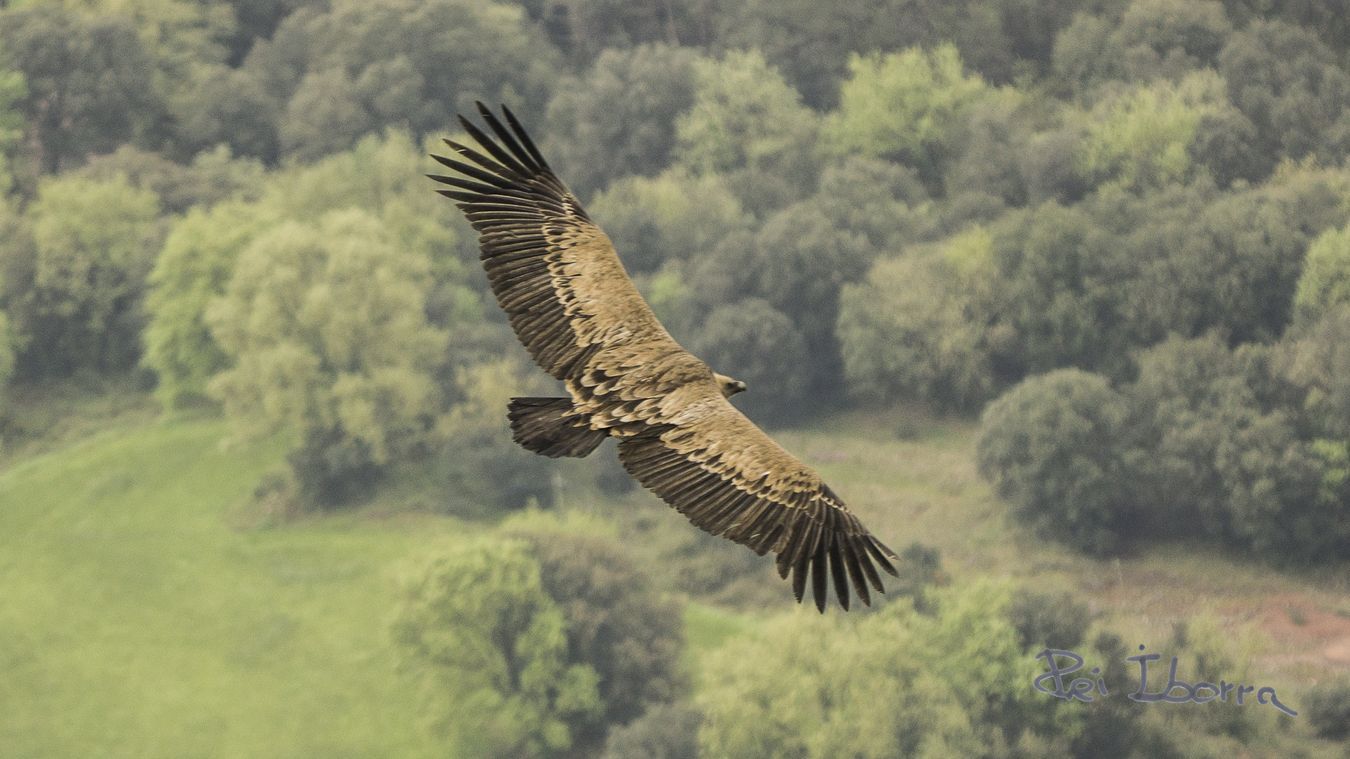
[{"x": 553, "y": 271}]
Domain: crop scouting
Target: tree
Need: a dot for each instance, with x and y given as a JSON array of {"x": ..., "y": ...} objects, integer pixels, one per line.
[
  {"x": 589, "y": 29},
  {"x": 750, "y": 126},
  {"x": 75, "y": 293},
  {"x": 484, "y": 466},
  {"x": 1290, "y": 85},
  {"x": 617, "y": 624},
  {"x": 89, "y": 82},
  {"x": 915, "y": 328},
  {"x": 905, "y": 106},
  {"x": 194, "y": 267},
  {"x": 325, "y": 329},
  {"x": 618, "y": 119},
  {"x": 778, "y": 692},
  {"x": 883, "y": 200},
  {"x": 1052, "y": 446},
  {"x": 665, "y": 731},
  {"x": 1325, "y": 281},
  {"x": 491, "y": 648},
  {"x": 1328, "y": 707},
  {"x": 228, "y": 106},
  {"x": 796, "y": 261},
  {"x": 1187, "y": 399},
  {"x": 674, "y": 216},
  {"x": 1170, "y": 37},
  {"x": 813, "y": 48},
  {"x": 757, "y": 344},
  {"x": 1144, "y": 138},
  {"x": 1315, "y": 358},
  {"x": 12, "y": 91},
  {"x": 782, "y": 694},
  {"x": 1214, "y": 460},
  {"x": 354, "y": 67},
  {"x": 324, "y": 115},
  {"x": 212, "y": 176},
  {"x": 1060, "y": 294}
]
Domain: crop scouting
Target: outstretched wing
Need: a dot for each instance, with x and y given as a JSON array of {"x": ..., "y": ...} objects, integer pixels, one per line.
[
  {"x": 716, "y": 467},
  {"x": 554, "y": 272}
]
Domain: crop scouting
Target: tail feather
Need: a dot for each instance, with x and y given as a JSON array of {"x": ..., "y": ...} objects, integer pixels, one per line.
[{"x": 547, "y": 427}]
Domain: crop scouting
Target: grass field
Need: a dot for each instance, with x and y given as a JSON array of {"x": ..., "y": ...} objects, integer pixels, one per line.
[
  {"x": 138, "y": 620},
  {"x": 145, "y": 612}
]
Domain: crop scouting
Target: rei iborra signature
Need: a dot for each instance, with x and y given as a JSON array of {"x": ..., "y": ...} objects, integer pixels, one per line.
[{"x": 1176, "y": 692}]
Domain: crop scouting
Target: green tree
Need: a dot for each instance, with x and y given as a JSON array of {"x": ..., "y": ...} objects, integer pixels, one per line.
[
  {"x": 1170, "y": 37},
  {"x": 1315, "y": 358},
  {"x": 491, "y": 648},
  {"x": 812, "y": 47},
  {"x": 1186, "y": 402},
  {"x": 664, "y": 731},
  {"x": 1060, "y": 291},
  {"x": 883, "y": 200},
  {"x": 1144, "y": 137},
  {"x": 325, "y": 329},
  {"x": 915, "y": 329},
  {"x": 1291, "y": 86},
  {"x": 89, "y": 82},
  {"x": 587, "y": 30},
  {"x": 782, "y": 694},
  {"x": 194, "y": 267},
  {"x": 778, "y": 692},
  {"x": 324, "y": 115},
  {"x": 1053, "y": 447},
  {"x": 12, "y": 91},
  {"x": 617, "y": 624},
  {"x": 750, "y": 126},
  {"x": 905, "y": 106},
  {"x": 1328, "y": 707},
  {"x": 796, "y": 261},
  {"x": 1325, "y": 281},
  {"x": 674, "y": 216},
  {"x": 212, "y": 176},
  {"x": 757, "y": 344},
  {"x": 484, "y": 466},
  {"x": 228, "y": 106},
  {"x": 74, "y": 292},
  {"x": 355, "y": 67},
  {"x": 618, "y": 119}
]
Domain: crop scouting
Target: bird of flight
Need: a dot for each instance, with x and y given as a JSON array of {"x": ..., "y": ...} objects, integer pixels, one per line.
[{"x": 571, "y": 303}]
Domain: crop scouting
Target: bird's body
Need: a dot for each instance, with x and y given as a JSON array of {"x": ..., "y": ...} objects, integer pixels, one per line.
[{"x": 578, "y": 314}]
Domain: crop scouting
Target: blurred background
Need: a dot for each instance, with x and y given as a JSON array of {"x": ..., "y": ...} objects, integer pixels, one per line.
[{"x": 1055, "y": 294}]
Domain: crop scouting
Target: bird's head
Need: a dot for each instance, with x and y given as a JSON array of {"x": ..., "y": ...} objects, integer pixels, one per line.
[{"x": 728, "y": 385}]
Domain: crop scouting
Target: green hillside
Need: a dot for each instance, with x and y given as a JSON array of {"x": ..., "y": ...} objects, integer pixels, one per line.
[
  {"x": 140, "y": 619},
  {"x": 147, "y": 612}
]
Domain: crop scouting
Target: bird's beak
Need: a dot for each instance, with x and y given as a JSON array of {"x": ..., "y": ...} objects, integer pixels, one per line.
[{"x": 740, "y": 386}]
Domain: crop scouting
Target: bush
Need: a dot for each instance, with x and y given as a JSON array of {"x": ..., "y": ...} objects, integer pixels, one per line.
[
  {"x": 1328, "y": 708},
  {"x": 1046, "y": 620},
  {"x": 665, "y": 731},
  {"x": 1052, "y": 446}
]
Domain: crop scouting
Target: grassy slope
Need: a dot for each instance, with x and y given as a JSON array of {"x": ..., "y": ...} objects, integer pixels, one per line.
[
  {"x": 137, "y": 620},
  {"x": 141, "y": 618}
]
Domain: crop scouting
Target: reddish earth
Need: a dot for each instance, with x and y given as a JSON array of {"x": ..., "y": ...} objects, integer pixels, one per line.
[{"x": 1310, "y": 633}]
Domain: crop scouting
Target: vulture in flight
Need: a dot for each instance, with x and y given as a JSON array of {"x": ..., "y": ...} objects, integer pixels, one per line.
[{"x": 573, "y": 306}]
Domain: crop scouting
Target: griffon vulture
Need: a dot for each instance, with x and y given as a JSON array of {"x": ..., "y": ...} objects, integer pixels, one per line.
[{"x": 572, "y": 305}]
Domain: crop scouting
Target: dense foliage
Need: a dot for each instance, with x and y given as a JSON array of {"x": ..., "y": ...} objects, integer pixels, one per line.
[{"x": 1117, "y": 232}]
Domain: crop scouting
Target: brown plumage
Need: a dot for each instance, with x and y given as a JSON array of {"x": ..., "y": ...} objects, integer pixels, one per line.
[{"x": 572, "y": 305}]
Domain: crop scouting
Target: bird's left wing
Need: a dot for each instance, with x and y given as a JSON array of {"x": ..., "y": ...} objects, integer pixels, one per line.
[{"x": 706, "y": 459}]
